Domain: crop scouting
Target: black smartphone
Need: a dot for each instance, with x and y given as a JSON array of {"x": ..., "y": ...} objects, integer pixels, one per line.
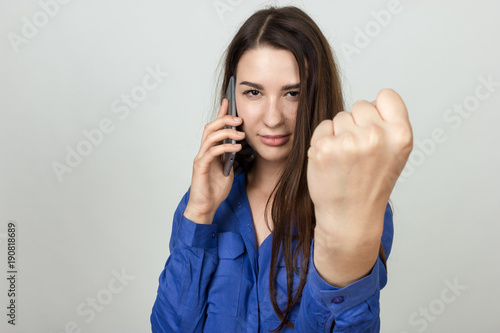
[{"x": 228, "y": 158}]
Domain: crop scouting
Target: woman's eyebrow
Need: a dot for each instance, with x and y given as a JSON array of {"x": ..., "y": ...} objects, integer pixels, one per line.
[
  {"x": 291, "y": 86},
  {"x": 260, "y": 87}
]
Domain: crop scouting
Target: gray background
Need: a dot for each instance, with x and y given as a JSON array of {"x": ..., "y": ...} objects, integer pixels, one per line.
[{"x": 112, "y": 214}]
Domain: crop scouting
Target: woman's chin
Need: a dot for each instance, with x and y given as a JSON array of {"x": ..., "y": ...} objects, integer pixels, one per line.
[{"x": 276, "y": 157}]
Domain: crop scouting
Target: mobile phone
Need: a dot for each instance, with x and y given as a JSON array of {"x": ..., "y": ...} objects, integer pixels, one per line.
[{"x": 228, "y": 158}]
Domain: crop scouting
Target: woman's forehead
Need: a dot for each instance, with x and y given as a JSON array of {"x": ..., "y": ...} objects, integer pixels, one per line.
[{"x": 268, "y": 66}]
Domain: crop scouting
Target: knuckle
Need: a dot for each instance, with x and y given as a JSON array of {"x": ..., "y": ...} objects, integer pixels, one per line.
[
  {"x": 326, "y": 122},
  {"x": 323, "y": 148},
  {"x": 389, "y": 93},
  {"x": 213, "y": 138},
  {"x": 403, "y": 138},
  {"x": 196, "y": 162},
  {"x": 375, "y": 137},
  {"x": 212, "y": 151},
  {"x": 340, "y": 115},
  {"x": 324, "y": 127},
  {"x": 349, "y": 146},
  {"x": 341, "y": 119},
  {"x": 359, "y": 105}
]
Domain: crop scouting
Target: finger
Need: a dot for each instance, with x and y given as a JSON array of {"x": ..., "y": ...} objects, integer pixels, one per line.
[
  {"x": 343, "y": 122},
  {"x": 323, "y": 129},
  {"x": 223, "y": 108},
  {"x": 219, "y": 124},
  {"x": 365, "y": 113},
  {"x": 222, "y": 111},
  {"x": 391, "y": 106},
  {"x": 215, "y": 152},
  {"x": 216, "y": 138}
]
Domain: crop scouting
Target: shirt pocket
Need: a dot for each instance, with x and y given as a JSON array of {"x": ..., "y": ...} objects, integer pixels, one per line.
[{"x": 225, "y": 286}]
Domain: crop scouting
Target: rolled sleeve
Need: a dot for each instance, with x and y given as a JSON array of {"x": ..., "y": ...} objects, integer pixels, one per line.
[
  {"x": 354, "y": 306},
  {"x": 339, "y": 299}
]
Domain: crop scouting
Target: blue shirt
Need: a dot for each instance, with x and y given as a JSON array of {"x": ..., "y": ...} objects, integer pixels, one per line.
[{"x": 216, "y": 280}]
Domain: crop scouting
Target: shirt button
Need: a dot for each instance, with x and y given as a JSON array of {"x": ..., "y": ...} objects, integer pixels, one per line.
[
  {"x": 338, "y": 299},
  {"x": 213, "y": 234}
]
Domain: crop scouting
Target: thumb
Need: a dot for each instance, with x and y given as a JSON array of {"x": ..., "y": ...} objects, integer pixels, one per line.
[{"x": 391, "y": 106}]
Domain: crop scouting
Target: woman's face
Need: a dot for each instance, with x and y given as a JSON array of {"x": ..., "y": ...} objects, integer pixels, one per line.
[{"x": 267, "y": 96}]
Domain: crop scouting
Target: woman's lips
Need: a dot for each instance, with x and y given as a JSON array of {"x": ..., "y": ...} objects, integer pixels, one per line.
[{"x": 274, "y": 140}]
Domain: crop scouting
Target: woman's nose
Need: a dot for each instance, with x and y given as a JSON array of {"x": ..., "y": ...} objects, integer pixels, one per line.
[{"x": 273, "y": 115}]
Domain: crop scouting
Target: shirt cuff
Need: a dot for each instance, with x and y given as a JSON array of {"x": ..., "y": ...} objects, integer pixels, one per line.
[
  {"x": 197, "y": 235},
  {"x": 339, "y": 299}
]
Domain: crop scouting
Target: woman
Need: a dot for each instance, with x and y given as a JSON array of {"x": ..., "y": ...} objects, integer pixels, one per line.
[{"x": 295, "y": 239}]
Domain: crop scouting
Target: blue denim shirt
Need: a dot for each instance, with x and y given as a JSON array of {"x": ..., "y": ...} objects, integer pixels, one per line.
[{"x": 216, "y": 280}]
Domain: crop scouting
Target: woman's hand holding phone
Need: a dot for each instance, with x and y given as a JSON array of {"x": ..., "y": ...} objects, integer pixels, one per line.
[{"x": 209, "y": 186}]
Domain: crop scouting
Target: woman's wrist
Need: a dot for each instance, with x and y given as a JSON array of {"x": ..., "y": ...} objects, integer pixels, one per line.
[
  {"x": 356, "y": 225},
  {"x": 197, "y": 216}
]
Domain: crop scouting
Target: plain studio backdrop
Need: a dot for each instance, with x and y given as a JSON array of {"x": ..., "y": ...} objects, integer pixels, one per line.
[{"x": 102, "y": 108}]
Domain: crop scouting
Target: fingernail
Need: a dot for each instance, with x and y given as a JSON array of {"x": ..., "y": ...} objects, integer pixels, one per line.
[
  {"x": 237, "y": 119},
  {"x": 241, "y": 133}
]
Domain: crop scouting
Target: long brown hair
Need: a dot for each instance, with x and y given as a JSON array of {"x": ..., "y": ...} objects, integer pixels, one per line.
[{"x": 292, "y": 212}]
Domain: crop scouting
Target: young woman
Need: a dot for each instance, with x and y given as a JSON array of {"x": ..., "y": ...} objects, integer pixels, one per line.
[{"x": 295, "y": 239}]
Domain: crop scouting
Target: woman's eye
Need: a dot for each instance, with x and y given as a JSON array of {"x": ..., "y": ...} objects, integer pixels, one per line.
[
  {"x": 251, "y": 92},
  {"x": 294, "y": 93}
]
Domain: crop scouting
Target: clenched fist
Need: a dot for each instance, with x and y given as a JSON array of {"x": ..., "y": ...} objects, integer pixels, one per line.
[{"x": 354, "y": 162}]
